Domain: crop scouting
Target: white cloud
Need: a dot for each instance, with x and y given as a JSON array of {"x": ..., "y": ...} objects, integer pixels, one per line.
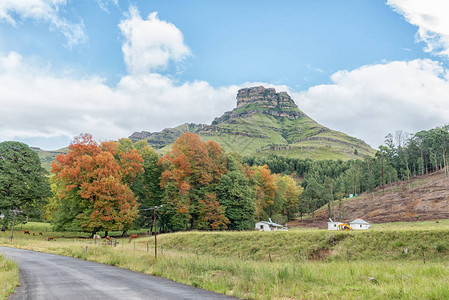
[
  {"x": 104, "y": 4},
  {"x": 368, "y": 102},
  {"x": 431, "y": 17},
  {"x": 374, "y": 100},
  {"x": 150, "y": 43},
  {"x": 38, "y": 104},
  {"x": 42, "y": 10}
]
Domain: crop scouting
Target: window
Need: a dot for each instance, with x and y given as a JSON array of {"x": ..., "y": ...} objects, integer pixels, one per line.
[
  {"x": 360, "y": 225},
  {"x": 335, "y": 225},
  {"x": 261, "y": 226}
]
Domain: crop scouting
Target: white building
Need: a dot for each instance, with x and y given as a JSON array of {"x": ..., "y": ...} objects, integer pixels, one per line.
[
  {"x": 270, "y": 226},
  {"x": 331, "y": 225},
  {"x": 359, "y": 224}
]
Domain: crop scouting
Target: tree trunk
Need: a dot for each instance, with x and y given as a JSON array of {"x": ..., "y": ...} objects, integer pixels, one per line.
[
  {"x": 383, "y": 181},
  {"x": 422, "y": 162},
  {"x": 443, "y": 163},
  {"x": 94, "y": 231}
]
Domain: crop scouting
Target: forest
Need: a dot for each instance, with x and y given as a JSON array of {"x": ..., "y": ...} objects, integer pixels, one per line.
[
  {"x": 115, "y": 186},
  {"x": 402, "y": 157}
]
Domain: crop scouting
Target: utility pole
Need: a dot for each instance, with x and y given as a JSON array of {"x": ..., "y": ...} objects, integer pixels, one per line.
[
  {"x": 15, "y": 212},
  {"x": 155, "y": 233},
  {"x": 155, "y": 229}
]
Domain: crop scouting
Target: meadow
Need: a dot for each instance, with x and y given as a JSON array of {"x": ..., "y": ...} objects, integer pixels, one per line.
[{"x": 390, "y": 261}]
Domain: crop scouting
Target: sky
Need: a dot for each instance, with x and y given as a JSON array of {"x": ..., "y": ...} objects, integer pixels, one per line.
[{"x": 112, "y": 67}]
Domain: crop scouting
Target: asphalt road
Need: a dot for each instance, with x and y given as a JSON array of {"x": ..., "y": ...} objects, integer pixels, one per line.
[{"x": 50, "y": 276}]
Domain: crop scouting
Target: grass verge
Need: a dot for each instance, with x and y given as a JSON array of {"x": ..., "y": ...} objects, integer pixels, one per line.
[
  {"x": 279, "y": 265},
  {"x": 9, "y": 277}
]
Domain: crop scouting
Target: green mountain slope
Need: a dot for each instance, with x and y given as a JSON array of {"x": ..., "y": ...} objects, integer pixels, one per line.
[
  {"x": 266, "y": 122},
  {"x": 47, "y": 157}
]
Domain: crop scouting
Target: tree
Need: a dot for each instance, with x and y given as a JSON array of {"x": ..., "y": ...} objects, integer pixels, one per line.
[
  {"x": 93, "y": 184},
  {"x": 192, "y": 169},
  {"x": 214, "y": 213},
  {"x": 265, "y": 192},
  {"x": 24, "y": 186},
  {"x": 236, "y": 193},
  {"x": 146, "y": 185},
  {"x": 292, "y": 194}
]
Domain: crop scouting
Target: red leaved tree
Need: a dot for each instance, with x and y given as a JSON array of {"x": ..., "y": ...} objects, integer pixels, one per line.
[{"x": 93, "y": 186}]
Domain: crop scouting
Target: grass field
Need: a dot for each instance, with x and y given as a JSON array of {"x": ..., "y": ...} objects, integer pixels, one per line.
[
  {"x": 9, "y": 277},
  {"x": 299, "y": 264}
]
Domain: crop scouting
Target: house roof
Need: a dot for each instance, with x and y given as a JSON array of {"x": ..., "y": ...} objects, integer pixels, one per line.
[
  {"x": 359, "y": 221},
  {"x": 270, "y": 223}
]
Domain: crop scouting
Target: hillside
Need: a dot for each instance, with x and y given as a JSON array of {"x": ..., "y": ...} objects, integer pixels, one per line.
[
  {"x": 425, "y": 198},
  {"x": 266, "y": 122},
  {"x": 47, "y": 157}
]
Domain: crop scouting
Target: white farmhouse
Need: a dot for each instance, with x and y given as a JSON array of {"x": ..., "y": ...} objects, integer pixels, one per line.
[
  {"x": 270, "y": 226},
  {"x": 331, "y": 225},
  {"x": 359, "y": 224}
]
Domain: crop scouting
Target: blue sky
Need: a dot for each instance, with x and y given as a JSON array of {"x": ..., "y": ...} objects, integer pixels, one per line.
[{"x": 110, "y": 67}]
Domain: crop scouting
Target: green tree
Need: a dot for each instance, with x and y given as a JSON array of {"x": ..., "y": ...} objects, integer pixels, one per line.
[
  {"x": 235, "y": 193},
  {"x": 24, "y": 186},
  {"x": 146, "y": 185}
]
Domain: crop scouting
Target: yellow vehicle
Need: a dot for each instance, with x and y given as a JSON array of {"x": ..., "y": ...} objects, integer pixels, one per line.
[{"x": 344, "y": 227}]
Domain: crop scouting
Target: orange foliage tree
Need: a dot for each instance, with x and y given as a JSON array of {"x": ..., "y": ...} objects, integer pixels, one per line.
[
  {"x": 265, "y": 191},
  {"x": 191, "y": 171},
  {"x": 93, "y": 186}
]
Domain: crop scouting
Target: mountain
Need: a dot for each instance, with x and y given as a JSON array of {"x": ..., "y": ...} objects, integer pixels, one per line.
[{"x": 266, "y": 122}]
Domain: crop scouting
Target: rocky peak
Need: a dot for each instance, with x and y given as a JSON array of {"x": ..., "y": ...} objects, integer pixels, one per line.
[
  {"x": 266, "y": 97},
  {"x": 259, "y": 100}
]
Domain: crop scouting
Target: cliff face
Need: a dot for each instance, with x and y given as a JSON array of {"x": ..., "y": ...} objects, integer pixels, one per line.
[
  {"x": 255, "y": 100},
  {"x": 265, "y": 97}
]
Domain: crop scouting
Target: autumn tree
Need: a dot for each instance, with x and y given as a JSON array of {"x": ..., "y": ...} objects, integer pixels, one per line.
[
  {"x": 265, "y": 191},
  {"x": 292, "y": 194},
  {"x": 93, "y": 186},
  {"x": 191, "y": 171}
]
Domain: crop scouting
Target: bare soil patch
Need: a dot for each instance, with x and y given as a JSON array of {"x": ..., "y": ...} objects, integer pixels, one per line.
[{"x": 424, "y": 198}]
